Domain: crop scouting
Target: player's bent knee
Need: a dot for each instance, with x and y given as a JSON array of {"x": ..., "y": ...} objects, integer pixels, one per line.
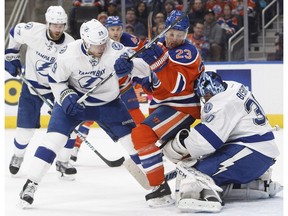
[
  {"x": 142, "y": 136},
  {"x": 55, "y": 141}
]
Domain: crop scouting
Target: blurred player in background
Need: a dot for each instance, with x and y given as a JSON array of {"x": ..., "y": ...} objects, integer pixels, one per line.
[{"x": 43, "y": 42}]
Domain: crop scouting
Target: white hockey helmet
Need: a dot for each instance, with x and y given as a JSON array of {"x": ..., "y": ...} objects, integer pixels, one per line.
[
  {"x": 93, "y": 33},
  {"x": 56, "y": 15}
]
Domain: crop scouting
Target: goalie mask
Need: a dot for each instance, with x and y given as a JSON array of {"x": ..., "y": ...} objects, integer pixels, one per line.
[
  {"x": 93, "y": 33},
  {"x": 209, "y": 83}
]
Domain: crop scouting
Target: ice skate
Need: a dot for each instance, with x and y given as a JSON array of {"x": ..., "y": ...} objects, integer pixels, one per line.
[
  {"x": 15, "y": 164},
  {"x": 67, "y": 171},
  {"x": 160, "y": 196},
  {"x": 27, "y": 194}
]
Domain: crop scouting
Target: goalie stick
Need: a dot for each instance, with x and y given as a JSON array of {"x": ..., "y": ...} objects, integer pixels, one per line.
[
  {"x": 140, "y": 176},
  {"x": 110, "y": 163},
  {"x": 146, "y": 46}
]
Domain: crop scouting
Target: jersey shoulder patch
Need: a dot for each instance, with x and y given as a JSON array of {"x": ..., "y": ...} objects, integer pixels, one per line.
[
  {"x": 117, "y": 46},
  {"x": 184, "y": 54}
]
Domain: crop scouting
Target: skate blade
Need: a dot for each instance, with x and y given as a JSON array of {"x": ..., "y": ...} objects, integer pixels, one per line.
[
  {"x": 65, "y": 177},
  {"x": 161, "y": 202},
  {"x": 23, "y": 204}
]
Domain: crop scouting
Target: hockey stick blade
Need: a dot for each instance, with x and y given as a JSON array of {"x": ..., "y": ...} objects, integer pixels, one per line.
[
  {"x": 140, "y": 176},
  {"x": 115, "y": 163}
]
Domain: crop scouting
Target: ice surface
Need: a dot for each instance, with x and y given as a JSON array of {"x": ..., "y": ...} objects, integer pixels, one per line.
[{"x": 101, "y": 190}]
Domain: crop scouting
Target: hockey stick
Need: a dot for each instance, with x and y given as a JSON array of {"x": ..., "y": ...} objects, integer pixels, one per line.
[
  {"x": 146, "y": 46},
  {"x": 150, "y": 20},
  {"x": 115, "y": 163}
]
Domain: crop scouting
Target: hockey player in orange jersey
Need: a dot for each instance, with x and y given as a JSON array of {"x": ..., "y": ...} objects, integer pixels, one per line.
[
  {"x": 175, "y": 64},
  {"x": 114, "y": 26}
]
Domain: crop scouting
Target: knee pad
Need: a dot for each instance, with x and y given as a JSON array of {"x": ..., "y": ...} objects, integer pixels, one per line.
[{"x": 55, "y": 141}]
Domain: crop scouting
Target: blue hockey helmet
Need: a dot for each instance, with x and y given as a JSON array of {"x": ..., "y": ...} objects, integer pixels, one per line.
[
  {"x": 209, "y": 82},
  {"x": 182, "y": 25},
  {"x": 113, "y": 21}
]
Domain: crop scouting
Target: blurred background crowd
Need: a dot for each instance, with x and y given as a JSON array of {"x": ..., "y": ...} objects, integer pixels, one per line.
[{"x": 216, "y": 26}]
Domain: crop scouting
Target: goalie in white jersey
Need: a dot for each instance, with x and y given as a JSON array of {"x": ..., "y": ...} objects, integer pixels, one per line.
[
  {"x": 78, "y": 68},
  {"x": 234, "y": 145},
  {"x": 43, "y": 42}
]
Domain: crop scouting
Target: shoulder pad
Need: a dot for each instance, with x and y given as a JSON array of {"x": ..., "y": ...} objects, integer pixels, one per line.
[
  {"x": 184, "y": 54},
  {"x": 129, "y": 40},
  {"x": 116, "y": 45}
]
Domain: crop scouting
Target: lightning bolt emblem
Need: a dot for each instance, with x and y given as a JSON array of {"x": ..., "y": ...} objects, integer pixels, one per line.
[{"x": 230, "y": 162}]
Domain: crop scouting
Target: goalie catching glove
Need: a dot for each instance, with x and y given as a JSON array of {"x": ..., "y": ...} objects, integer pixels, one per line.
[
  {"x": 175, "y": 149},
  {"x": 68, "y": 100}
]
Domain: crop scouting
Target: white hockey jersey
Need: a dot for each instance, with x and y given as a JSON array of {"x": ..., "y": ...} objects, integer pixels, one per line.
[
  {"x": 40, "y": 55},
  {"x": 232, "y": 117},
  {"x": 81, "y": 72}
]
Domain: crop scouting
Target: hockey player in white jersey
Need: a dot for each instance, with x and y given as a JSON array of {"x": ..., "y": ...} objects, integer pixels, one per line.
[
  {"x": 234, "y": 145},
  {"x": 78, "y": 68},
  {"x": 43, "y": 42}
]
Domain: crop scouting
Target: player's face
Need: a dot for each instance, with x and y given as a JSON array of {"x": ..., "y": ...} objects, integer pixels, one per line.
[
  {"x": 174, "y": 38},
  {"x": 56, "y": 30},
  {"x": 115, "y": 32},
  {"x": 96, "y": 50}
]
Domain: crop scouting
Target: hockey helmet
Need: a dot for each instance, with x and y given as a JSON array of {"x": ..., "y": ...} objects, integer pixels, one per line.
[
  {"x": 182, "y": 25},
  {"x": 56, "y": 15},
  {"x": 209, "y": 82},
  {"x": 113, "y": 21},
  {"x": 93, "y": 33}
]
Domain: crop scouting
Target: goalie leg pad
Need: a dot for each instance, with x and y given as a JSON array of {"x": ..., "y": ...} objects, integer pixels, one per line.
[
  {"x": 194, "y": 205},
  {"x": 196, "y": 191},
  {"x": 258, "y": 189}
]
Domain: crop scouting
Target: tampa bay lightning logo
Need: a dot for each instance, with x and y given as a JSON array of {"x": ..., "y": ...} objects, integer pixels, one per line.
[
  {"x": 41, "y": 67},
  {"x": 63, "y": 49},
  {"x": 28, "y": 25},
  {"x": 208, "y": 107},
  {"x": 117, "y": 46},
  {"x": 88, "y": 82},
  {"x": 94, "y": 62}
]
